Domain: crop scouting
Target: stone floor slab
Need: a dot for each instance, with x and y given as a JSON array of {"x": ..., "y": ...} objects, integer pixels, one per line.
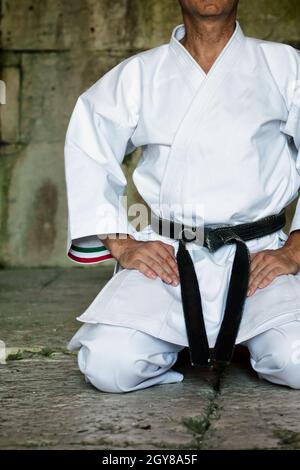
[
  {"x": 254, "y": 414},
  {"x": 45, "y": 403},
  {"x": 38, "y": 307}
]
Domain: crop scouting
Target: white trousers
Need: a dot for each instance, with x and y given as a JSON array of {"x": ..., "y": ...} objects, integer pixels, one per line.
[{"x": 117, "y": 359}]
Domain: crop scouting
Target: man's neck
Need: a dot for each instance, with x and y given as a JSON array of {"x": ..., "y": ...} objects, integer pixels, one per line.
[{"x": 205, "y": 38}]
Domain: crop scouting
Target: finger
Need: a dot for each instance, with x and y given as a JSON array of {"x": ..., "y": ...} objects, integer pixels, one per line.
[
  {"x": 165, "y": 248},
  {"x": 255, "y": 282},
  {"x": 260, "y": 263},
  {"x": 168, "y": 247},
  {"x": 254, "y": 274},
  {"x": 162, "y": 247},
  {"x": 148, "y": 272},
  {"x": 167, "y": 256},
  {"x": 168, "y": 262},
  {"x": 257, "y": 260},
  {"x": 158, "y": 269},
  {"x": 172, "y": 270},
  {"x": 264, "y": 279},
  {"x": 161, "y": 257},
  {"x": 267, "y": 280}
]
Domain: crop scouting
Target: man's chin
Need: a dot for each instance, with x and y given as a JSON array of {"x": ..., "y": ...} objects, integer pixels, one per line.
[{"x": 211, "y": 12}]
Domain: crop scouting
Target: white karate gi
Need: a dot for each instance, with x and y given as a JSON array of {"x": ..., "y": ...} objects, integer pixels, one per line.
[{"x": 226, "y": 142}]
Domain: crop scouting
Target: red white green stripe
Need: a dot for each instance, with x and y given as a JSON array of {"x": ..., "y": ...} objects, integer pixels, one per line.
[{"x": 89, "y": 255}]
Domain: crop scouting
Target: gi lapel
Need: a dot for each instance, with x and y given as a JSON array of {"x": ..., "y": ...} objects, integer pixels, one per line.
[{"x": 195, "y": 113}]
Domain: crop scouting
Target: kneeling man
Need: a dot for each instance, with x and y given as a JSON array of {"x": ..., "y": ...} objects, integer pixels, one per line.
[{"x": 217, "y": 116}]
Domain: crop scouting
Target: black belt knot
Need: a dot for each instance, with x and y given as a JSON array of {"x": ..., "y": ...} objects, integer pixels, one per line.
[{"x": 216, "y": 238}]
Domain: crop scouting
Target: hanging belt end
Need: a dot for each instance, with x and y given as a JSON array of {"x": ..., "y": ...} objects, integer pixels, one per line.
[{"x": 198, "y": 364}]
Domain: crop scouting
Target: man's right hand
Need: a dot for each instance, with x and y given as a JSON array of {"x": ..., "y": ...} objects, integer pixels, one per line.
[{"x": 151, "y": 258}]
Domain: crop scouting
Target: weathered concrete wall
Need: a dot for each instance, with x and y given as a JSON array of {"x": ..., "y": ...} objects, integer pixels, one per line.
[{"x": 53, "y": 50}]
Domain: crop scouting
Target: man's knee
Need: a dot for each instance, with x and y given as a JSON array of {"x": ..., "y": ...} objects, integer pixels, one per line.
[
  {"x": 283, "y": 370},
  {"x": 278, "y": 359},
  {"x": 109, "y": 370}
]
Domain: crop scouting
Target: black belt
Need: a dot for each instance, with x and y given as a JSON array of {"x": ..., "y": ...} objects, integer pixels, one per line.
[{"x": 213, "y": 239}]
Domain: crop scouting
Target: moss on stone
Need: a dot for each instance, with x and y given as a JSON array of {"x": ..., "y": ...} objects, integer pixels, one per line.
[{"x": 288, "y": 438}]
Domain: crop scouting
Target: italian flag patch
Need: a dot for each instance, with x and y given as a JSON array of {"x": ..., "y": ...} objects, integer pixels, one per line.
[{"x": 89, "y": 255}]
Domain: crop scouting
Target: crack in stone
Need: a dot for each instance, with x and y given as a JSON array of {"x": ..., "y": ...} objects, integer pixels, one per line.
[
  {"x": 56, "y": 276},
  {"x": 200, "y": 426}
]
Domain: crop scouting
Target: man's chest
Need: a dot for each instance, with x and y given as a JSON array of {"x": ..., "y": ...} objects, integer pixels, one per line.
[{"x": 244, "y": 104}]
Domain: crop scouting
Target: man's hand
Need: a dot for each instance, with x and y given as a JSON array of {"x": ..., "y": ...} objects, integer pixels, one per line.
[
  {"x": 268, "y": 264},
  {"x": 153, "y": 258}
]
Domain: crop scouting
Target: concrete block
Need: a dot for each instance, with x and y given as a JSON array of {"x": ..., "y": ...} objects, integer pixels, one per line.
[
  {"x": 36, "y": 220},
  {"x": 50, "y": 87},
  {"x": 273, "y": 20},
  {"x": 10, "y": 111},
  {"x": 87, "y": 24}
]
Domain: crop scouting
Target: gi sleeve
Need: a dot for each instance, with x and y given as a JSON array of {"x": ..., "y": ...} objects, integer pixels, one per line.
[
  {"x": 292, "y": 126},
  {"x": 294, "y": 130},
  {"x": 97, "y": 140}
]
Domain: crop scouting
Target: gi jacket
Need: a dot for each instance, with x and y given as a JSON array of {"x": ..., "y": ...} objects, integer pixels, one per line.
[{"x": 225, "y": 143}]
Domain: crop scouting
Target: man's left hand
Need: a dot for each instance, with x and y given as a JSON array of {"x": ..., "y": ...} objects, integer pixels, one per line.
[{"x": 269, "y": 264}]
